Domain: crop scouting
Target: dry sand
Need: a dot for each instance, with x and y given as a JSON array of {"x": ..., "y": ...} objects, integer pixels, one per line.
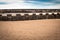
[{"x": 30, "y": 30}]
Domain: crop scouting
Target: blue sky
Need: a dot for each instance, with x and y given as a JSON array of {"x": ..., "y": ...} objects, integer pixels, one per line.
[{"x": 30, "y": 4}]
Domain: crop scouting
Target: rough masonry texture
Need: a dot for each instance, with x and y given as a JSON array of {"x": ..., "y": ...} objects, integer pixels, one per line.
[{"x": 28, "y": 14}]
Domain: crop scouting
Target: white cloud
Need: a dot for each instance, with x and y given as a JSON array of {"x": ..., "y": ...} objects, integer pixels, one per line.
[
  {"x": 21, "y": 4},
  {"x": 27, "y": 6},
  {"x": 11, "y": 1},
  {"x": 41, "y": 3}
]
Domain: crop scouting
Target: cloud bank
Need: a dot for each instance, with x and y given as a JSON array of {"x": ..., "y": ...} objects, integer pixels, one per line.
[{"x": 29, "y": 4}]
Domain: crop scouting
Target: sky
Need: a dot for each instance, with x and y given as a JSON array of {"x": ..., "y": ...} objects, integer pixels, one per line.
[{"x": 29, "y": 4}]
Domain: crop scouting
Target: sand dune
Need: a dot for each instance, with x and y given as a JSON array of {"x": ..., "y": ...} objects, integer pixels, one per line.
[{"x": 30, "y": 30}]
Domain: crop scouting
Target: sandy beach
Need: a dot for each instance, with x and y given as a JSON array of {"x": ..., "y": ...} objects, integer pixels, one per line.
[{"x": 48, "y": 29}]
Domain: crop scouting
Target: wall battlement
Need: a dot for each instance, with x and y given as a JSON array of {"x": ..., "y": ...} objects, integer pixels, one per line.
[
  {"x": 27, "y": 10},
  {"x": 28, "y": 14}
]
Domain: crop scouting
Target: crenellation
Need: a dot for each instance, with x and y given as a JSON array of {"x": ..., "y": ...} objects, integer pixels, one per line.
[{"x": 28, "y": 14}]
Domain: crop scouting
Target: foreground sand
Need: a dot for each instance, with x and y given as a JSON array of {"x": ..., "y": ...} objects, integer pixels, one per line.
[{"x": 30, "y": 30}]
